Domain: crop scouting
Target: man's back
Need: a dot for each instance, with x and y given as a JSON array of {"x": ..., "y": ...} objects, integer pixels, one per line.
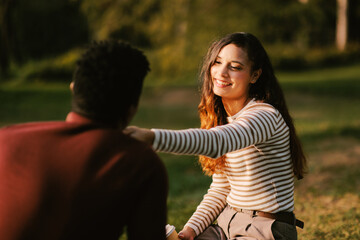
[{"x": 78, "y": 180}]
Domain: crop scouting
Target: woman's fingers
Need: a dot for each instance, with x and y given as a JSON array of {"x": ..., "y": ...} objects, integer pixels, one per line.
[
  {"x": 141, "y": 134},
  {"x": 187, "y": 234},
  {"x": 129, "y": 130}
]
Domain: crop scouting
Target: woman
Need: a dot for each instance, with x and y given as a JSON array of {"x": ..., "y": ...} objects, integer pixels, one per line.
[{"x": 247, "y": 142}]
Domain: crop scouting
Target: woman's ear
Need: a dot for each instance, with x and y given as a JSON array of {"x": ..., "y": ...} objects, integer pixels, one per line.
[{"x": 255, "y": 75}]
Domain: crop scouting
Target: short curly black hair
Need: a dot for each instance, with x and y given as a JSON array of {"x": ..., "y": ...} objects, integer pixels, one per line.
[{"x": 108, "y": 79}]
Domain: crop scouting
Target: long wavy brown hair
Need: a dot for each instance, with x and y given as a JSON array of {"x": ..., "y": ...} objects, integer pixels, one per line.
[{"x": 266, "y": 89}]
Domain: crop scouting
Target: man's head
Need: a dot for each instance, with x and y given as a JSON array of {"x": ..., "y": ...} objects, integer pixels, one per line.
[{"x": 108, "y": 80}]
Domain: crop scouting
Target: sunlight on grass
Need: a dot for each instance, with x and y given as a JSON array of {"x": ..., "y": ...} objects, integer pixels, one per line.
[{"x": 331, "y": 218}]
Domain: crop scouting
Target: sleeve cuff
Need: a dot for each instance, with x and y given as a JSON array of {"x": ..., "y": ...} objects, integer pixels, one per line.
[
  {"x": 156, "y": 142},
  {"x": 195, "y": 228}
]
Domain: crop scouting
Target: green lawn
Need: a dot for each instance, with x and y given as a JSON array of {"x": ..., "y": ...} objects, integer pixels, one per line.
[{"x": 325, "y": 105}]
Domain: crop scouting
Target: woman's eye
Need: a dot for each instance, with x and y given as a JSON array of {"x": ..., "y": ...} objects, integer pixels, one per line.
[
  {"x": 235, "y": 68},
  {"x": 217, "y": 62}
]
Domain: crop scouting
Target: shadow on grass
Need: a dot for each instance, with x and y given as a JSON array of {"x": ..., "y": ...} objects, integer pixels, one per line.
[
  {"x": 327, "y": 199},
  {"x": 346, "y": 88},
  {"x": 334, "y": 162},
  {"x": 336, "y": 181},
  {"x": 187, "y": 185},
  {"x": 185, "y": 175},
  {"x": 345, "y": 179}
]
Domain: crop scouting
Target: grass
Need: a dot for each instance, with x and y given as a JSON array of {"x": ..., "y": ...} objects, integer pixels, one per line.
[
  {"x": 324, "y": 104},
  {"x": 35, "y": 102}
]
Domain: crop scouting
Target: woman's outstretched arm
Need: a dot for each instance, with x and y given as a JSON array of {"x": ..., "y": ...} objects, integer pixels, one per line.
[{"x": 256, "y": 125}]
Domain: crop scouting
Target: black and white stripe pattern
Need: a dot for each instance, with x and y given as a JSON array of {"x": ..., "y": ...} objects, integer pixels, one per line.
[{"x": 258, "y": 173}]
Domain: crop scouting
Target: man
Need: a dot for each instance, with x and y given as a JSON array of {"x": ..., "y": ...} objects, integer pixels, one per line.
[{"x": 83, "y": 178}]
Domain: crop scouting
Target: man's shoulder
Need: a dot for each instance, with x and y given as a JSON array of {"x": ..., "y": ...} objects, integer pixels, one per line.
[
  {"x": 141, "y": 150},
  {"x": 32, "y": 126},
  {"x": 139, "y": 161},
  {"x": 29, "y": 129}
]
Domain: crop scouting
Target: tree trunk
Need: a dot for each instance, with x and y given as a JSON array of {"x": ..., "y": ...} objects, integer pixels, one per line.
[{"x": 341, "y": 24}]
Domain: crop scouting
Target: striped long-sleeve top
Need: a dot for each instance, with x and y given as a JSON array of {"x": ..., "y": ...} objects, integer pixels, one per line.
[{"x": 258, "y": 173}]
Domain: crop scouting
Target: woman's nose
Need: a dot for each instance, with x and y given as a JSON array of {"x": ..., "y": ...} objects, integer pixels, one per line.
[{"x": 223, "y": 70}]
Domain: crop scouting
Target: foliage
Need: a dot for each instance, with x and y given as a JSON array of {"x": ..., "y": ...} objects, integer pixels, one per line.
[
  {"x": 120, "y": 19},
  {"x": 58, "y": 68},
  {"x": 175, "y": 34}
]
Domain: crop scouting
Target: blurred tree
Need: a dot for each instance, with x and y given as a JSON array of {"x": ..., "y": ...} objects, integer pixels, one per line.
[
  {"x": 169, "y": 30},
  {"x": 5, "y": 35},
  {"x": 125, "y": 19},
  {"x": 354, "y": 20},
  {"x": 341, "y": 24},
  {"x": 46, "y": 28},
  {"x": 37, "y": 29},
  {"x": 184, "y": 30},
  {"x": 174, "y": 33},
  {"x": 303, "y": 23},
  {"x": 340, "y": 18}
]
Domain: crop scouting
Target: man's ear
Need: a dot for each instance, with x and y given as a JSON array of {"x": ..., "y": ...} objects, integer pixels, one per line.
[
  {"x": 255, "y": 75},
  {"x": 72, "y": 87}
]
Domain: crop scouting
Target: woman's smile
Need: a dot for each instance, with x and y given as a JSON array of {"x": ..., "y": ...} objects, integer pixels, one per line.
[{"x": 221, "y": 83}]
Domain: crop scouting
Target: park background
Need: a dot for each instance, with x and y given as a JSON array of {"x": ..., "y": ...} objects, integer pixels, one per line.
[{"x": 314, "y": 46}]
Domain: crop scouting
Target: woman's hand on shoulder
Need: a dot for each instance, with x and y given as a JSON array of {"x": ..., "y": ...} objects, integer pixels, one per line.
[
  {"x": 141, "y": 134},
  {"x": 187, "y": 233}
]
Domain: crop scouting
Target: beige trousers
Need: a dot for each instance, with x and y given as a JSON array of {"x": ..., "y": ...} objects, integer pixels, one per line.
[{"x": 242, "y": 226}]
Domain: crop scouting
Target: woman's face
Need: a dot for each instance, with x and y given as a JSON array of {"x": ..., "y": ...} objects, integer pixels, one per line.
[{"x": 231, "y": 74}]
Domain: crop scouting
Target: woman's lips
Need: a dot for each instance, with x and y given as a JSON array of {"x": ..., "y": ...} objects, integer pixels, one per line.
[{"x": 221, "y": 83}]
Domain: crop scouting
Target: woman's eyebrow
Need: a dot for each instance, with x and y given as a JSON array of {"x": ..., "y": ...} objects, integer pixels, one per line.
[
  {"x": 238, "y": 62},
  {"x": 234, "y": 61}
]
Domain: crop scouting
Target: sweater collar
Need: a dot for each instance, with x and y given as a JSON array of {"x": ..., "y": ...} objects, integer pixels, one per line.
[
  {"x": 235, "y": 116},
  {"x": 74, "y": 117}
]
